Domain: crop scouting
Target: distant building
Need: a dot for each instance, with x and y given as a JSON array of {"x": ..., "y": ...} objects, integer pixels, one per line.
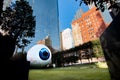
[
  {"x": 61, "y": 42},
  {"x": 67, "y": 39},
  {"x": 47, "y": 21},
  {"x": 89, "y": 27},
  {"x": 79, "y": 14},
  {"x": 45, "y": 41},
  {"x": 105, "y": 14},
  {"x": 77, "y": 36}
]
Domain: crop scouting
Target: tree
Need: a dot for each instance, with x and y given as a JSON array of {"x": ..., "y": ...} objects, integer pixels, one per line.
[
  {"x": 18, "y": 22},
  {"x": 1, "y": 5},
  {"x": 97, "y": 49},
  {"x": 100, "y": 4}
]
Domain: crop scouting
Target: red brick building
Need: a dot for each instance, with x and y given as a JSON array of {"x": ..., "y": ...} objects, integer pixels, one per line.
[{"x": 88, "y": 27}]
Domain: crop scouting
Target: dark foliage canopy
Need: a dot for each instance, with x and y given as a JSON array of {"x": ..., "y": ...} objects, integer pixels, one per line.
[
  {"x": 100, "y": 4},
  {"x": 1, "y": 5},
  {"x": 18, "y": 22}
]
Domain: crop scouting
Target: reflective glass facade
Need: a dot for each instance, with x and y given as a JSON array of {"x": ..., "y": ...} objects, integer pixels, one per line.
[{"x": 47, "y": 21}]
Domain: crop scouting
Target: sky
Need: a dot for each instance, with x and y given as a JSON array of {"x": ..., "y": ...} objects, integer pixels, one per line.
[{"x": 67, "y": 11}]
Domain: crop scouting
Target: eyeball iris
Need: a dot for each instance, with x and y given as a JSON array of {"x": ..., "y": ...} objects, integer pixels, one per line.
[{"x": 44, "y": 54}]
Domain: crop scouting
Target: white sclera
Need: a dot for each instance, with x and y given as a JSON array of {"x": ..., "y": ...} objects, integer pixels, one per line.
[{"x": 33, "y": 55}]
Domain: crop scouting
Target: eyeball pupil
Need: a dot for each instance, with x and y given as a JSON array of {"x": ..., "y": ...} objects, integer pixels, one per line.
[{"x": 44, "y": 54}]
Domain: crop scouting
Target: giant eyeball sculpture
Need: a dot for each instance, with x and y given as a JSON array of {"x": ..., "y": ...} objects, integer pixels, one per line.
[{"x": 39, "y": 55}]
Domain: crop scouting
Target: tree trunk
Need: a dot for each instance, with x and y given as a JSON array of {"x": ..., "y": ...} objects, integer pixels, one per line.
[
  {"x": 1, "y": 6},
  {"x": 110, "y": 41},
  {"x": 7, "y": 47}
]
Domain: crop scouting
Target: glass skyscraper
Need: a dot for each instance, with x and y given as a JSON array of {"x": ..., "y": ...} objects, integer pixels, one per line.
[{"x": 47, "y": 21}]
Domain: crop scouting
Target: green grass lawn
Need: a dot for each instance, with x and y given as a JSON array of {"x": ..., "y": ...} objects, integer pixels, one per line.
[{"x": 80, "y": 72}]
